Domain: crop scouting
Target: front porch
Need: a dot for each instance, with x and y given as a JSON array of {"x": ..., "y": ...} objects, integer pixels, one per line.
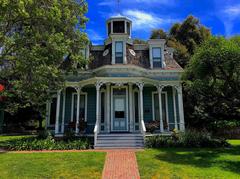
[{"x": 114, "y": 105}]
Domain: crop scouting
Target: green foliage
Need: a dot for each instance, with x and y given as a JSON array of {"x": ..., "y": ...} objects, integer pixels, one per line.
[
  {"x": 139, "y": 41},
  {"x": 190, "y": 138},
  {"x": 212, "y": 83},
  {"x": 44, "y": 134},
  {"x": 152, "y": 126},
  {"x": 158, "y": 34},
  {"x": 190, "y": 162},
  {"x": 49, "y": 143},
  {"x": 86, "y": 165},
  {"x": 184, "y": 37},
  {"x": 35, "y": 36}
]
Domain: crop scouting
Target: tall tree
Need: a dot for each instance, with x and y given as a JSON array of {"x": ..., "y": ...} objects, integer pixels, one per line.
[
  {"x": 35, "y": 36},
  {"x": 184, "y": 38},
  {"x": 213, "y": 82},
  {"x": 158, "y": 34},
  {"x": 139, "y": 41}
]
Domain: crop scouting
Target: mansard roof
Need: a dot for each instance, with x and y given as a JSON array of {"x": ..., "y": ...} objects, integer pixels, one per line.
[{"x": 141, "y": 58}]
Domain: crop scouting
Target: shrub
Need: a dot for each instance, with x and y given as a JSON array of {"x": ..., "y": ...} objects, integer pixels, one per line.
[
  {"x": 190, "y": 138},
  {"x": 43, "y": 134},
  {"x": 152, "y": 126},
  {"x": 48, "y": 144}
]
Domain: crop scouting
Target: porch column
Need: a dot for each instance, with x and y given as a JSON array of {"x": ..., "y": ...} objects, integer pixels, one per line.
[
  {"x": 98, "y": 86},
  {"x": 174, "y": 108},
  {"x": 131, "y": 107},
  {"x": 58, "y": 112},
  {"x": 180, "y": 108},
  {"x": 78, "y": 89},
  {"x": 108, "y": 106},
  {"x": 159, "y": 89},
  {"x": 63, "y": 111},
  {"x": 140, "y": 86}
]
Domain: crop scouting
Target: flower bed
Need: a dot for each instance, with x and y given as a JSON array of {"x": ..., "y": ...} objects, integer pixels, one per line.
[
  {"x": 48, "y": 143},
  {"x": 190, "y": 138}
]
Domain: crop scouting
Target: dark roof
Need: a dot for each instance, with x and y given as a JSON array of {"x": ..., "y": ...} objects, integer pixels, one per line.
[{"x": 140, "y": 59}]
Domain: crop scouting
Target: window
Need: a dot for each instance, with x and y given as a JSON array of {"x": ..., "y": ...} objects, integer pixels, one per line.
[
  {"x": 136, "y": 111},
  {"x": 156, "y": 114},
  {"x": 119, "y": 52},
  {"x": 156, "y": 107},
  {"x": 118, "y": 26},
  {"x": 156, "y": 56},
  {"x": 82, "y": 108},
  {"x": 53, "y": 110},
  {"x": 128, "y": 28}
]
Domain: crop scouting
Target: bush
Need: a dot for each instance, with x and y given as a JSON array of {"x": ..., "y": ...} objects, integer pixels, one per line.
[
  {"x": 49, "y": 143},
  {"x": 43, "y": 134},
  {"x": 152, "y": 126},
  {"x": 190, "y": 138}
]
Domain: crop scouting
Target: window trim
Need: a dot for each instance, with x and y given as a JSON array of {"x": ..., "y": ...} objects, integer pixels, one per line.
[
  {"x": 134, "y": 112},
  {"x": 49, "y": 112},
  {"x": 166, "y": 101},
  {"x": 72, "y": 103},
  {"x": 124, "y": 30},
  {"x": 157, "y": 59},
  {"x": 122, "y": 53},
  {"x": 105, "y": 107}
]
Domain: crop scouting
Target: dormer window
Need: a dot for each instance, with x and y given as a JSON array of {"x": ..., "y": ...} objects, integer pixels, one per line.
[
  {"x": 119, "y": 52},
  {"x": 156, "y": 52},
  {"x": 156, "y": 56}
]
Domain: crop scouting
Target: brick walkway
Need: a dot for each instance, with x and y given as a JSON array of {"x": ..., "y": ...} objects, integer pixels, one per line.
[{"x": 121, "y": 164}]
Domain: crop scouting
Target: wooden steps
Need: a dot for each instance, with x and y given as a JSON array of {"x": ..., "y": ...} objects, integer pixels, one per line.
[{"x": 120, "y": 140}]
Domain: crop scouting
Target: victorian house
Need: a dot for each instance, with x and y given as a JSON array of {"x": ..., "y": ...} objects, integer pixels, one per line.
[{"x": 127, "y": 92}]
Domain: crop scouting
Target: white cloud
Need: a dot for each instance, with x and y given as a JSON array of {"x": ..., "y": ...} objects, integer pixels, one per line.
[
  {"x": 94, "y": 36},
  {"x": 232, "y": 11},
  {"x": 145, "y": 21},
  {"x": 107, "y": 3},
  {"x": 137, "y": 2},
  {"x": 228, "y": 13}
]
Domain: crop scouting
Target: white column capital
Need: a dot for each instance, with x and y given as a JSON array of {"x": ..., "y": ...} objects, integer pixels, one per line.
[
  {"x": 160, "y": 87},
  {"x": 140, "y": 85},
  {"x": 98, "y": 85},
  {"x": 78, "y": 89},
  {"x": 178, "y": 88},
  {"x": 130, "y": 84},
  {"x": 59, "y": 92}
]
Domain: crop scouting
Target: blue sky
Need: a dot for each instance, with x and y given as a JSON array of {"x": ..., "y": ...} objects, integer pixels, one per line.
[{"x": 221, "y": 16}]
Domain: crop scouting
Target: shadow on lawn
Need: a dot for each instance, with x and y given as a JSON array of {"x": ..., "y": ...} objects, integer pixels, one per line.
[{"x": 203, "y": 158}]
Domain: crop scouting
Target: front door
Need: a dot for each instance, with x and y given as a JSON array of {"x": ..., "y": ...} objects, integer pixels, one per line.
[{"x": 119, "y": 119}]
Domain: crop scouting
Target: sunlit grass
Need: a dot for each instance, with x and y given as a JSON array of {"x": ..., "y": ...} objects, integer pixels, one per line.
[{"x": 190, "y": 163}]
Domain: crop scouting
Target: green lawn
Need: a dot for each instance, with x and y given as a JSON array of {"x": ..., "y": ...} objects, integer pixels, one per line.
[
  {"x": 190, "y": 163},
  {"x": 50, "y": 165}
]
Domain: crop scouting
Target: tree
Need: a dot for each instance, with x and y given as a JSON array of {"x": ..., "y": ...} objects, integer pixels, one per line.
[
  {"x": 184, "y": 37},
  {"x": 213, "y": 82},
  {"x": 158, "y": 34},
  {"x": 35, "y": 36},
  {"x": 189, "y": 34},
  {"x": 139, "y": 41}
]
